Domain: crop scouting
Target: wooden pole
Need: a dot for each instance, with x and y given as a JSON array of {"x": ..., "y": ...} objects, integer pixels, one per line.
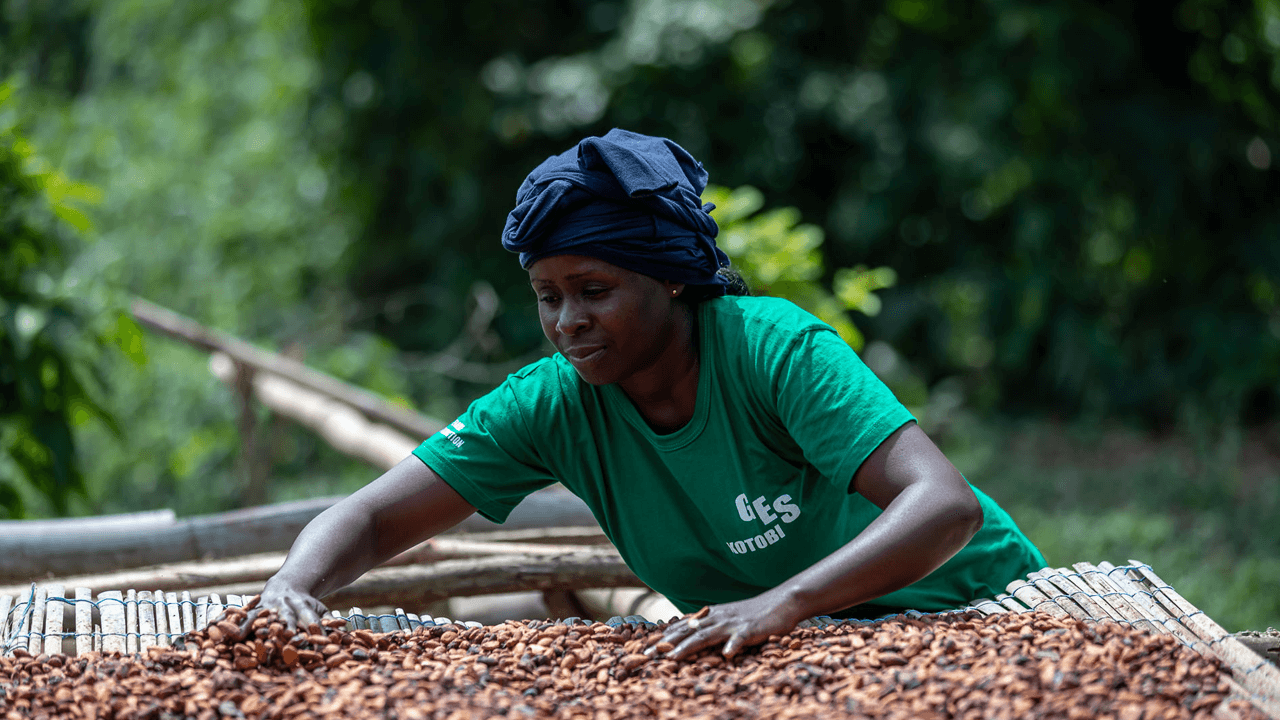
[
  {"x": 341, "y": 426},
  {"x": 62, "y": 548},
  {"x": 183, "y": 328},
  {"x": 258, "y": 568},
  {"x": 421, "y": 584}
]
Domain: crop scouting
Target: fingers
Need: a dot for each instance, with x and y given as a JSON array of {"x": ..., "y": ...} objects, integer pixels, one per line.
[
  {"x": 309, "y": 611},
  {"x": 735, "y": 643},
  {"x": 691, "y": 634},
  {"x": 700, "y": 639},
  {"x": 294, "y": 609}
]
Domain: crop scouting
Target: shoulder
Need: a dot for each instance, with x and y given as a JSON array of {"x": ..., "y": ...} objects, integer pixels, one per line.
[
  {"x": 751, "y": 339},
  {"x": 759, "y": 321},
  {"x": 544, "y": 388},
  {"x": 549, "y": 376}
]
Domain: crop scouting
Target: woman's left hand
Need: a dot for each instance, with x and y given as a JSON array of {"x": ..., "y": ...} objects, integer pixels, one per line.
[{"x": 737, "y": 624}]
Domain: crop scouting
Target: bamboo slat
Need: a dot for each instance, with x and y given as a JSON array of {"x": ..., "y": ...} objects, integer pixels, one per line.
[
  {"x": 84, "y": 620},
  {"x": 175, "y": 613},
  {"x": 1092, "y": 610},
  {"x": 188, "y": 614},
  {"x": 1112, "y": 595},
  {"x": 1028, "y": 595},
  {"x": 54, "y": 610},
  {"x": 1010, "y": 604},
  {"x": 111, "y": 610},
  {"x": 35, "y": 630},
  {"x": 6, "y": 604},
  {"x": 1057, "y": 596},
  {"x": 162, "y": 618},
  {"x": 131, "y": 621},
  {"x": 1155, "y": 613},
  {"x": 1259, "y": 676},
  {"x": 146, "y": 621},
  {"x": 215, "y": 609}
]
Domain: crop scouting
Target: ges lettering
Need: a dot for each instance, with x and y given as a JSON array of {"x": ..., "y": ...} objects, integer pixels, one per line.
[{"x": 750, "y": 510}]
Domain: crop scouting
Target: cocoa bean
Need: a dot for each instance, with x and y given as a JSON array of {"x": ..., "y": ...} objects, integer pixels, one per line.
[{"x": 936, "y": 666}]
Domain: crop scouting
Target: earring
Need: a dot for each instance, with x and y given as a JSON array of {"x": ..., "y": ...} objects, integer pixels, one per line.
[{"x": 674, "y": 293}]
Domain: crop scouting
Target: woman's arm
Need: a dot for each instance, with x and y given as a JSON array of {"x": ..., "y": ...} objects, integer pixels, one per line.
[
  {"x": 405, "y": 506},
  {"x": 929, "y": 514}
]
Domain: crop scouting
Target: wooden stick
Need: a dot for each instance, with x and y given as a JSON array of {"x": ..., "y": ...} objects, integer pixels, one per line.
[
  {"x": 146, "y": 621},
  {"x": 131, "y": 621},
  {"x": 35, "y": 641},
  {"x": 342, "y": 426},
  {"x": 551, "y": 515},
  {"x": 1028, "y": 595},
  {"x": 1114, "y": 596},
  {"x": 188, "y": 613},
  {"x": 175, "y": 614},
  {"x": 84, "y": 620},
  {"x": 1057, "y": 576},
  {"x": 1010, "y": 603},
  {"x": 1056, "y": 594},
  {"x": 215, "y": 609},
  {"x": 1256, "y": 674},
  {"x": 21, "y": 620},
  {"x": 261, "y": 567},
  {"x": 174, "y": 325},
  {"x": 54, "y": 610},
  {"x": 988, "y": 607},
  {"x": 162, "y": 618},
  {"x": 6, "y": 604},
  {"x": 111, "y": 608},
  {"x": 412, "y": 585},
  {"x": 100, "y": 523}
]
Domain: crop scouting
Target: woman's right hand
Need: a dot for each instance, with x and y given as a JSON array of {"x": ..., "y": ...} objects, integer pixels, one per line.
[
  {"x": 404, "y": 506},
  {"x": 296, "y": 608}
]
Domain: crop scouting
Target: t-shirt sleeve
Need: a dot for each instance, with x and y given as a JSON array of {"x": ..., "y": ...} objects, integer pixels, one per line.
[
  {"x": 486, "y": 455},
  {"x": 832, "y": 405}
]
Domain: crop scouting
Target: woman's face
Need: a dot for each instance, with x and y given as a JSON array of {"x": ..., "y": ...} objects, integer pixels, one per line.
[{"x": 608, "y": 322}]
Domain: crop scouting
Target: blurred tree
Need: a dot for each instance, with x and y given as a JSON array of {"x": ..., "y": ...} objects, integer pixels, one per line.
[
  {"x": 50, "y": 342},
  {"x": 781, "y": 258},
  {"x": 1077, "y": 200},
  {"x": 195, "y": 122}
]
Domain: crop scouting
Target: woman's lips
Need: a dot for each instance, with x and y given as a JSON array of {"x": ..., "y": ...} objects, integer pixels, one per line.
[{"x": 584, "y": 354}]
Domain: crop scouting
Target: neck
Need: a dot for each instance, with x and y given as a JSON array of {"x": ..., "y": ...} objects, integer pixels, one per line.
[{"x": 666, "y": 392}]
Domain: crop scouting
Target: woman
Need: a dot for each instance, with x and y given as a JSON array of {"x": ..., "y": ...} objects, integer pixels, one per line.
[{"x": 734, "y": 449}]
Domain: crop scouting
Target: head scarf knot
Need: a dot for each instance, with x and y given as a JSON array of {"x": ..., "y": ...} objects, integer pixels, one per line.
[{"x": 625, "y": 198}]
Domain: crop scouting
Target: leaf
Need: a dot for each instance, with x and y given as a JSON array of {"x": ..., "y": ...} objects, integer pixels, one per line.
[{"x": 73, "y": 217}]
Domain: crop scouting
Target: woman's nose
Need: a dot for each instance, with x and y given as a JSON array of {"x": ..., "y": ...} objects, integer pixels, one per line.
[{"x": 572, "y": 319}]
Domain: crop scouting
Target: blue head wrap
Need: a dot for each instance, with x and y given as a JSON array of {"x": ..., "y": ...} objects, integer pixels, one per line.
[{"x": 625, "y": 198}]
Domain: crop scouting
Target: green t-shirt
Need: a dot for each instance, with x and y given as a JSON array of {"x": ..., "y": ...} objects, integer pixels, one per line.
[{"x": 752, "y": 490}]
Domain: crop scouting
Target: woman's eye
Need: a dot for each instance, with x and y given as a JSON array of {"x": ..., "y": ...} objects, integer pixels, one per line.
[
  {"x": 547, "y": 298},
  {"x": 594, "y": 291}
]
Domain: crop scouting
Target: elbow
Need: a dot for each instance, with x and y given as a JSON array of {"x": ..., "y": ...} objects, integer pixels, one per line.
[{"x": 969, "y": 516}]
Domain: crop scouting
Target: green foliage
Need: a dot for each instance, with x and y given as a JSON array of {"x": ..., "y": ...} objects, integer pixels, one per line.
[
  {"x": 49, "y": 339},
  {"x": 196, "y": 122},
  {"x": 1076, "y": 199},
  {"x": 781, "y": 258},
  {"x": 1199, "y": 507}
]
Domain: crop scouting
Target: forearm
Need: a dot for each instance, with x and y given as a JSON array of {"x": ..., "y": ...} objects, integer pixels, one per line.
[
  {"x": 405, "y": 506},
  {"x": 920, "y": 530},
  {"x": 333, "y": 549}
]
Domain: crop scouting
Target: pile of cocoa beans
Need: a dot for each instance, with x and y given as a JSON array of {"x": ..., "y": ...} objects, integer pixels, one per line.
[{"x": 944, "y": 666}]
